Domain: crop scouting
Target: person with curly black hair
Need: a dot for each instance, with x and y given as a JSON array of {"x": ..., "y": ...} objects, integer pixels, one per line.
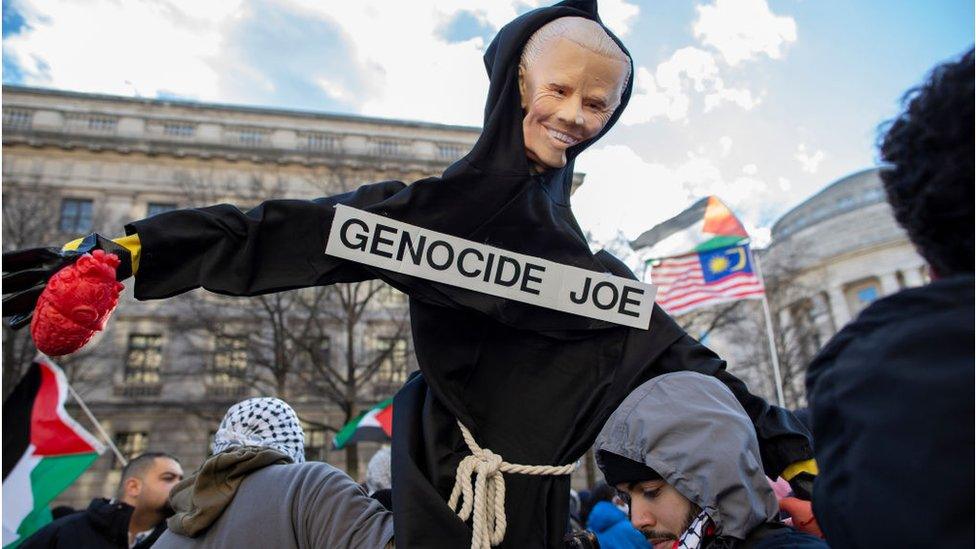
[
  {"x": 891, "y": 394},
  {"x": 929, "y": 173}
]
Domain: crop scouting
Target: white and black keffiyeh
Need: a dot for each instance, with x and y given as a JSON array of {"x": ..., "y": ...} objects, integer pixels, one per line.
[
  {"x": 264, "y": 422},
  {"x": 695, "y": 534}
]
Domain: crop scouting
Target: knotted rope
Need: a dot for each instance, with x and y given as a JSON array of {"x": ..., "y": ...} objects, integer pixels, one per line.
[{"x": 486, "y": 499}]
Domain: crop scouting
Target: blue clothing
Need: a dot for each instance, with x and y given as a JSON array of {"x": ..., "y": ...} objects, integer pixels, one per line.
[{"x": 613, "y": 529}]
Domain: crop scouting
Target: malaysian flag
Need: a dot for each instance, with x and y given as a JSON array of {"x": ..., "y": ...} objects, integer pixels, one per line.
[{"x": 695, "y": 280}]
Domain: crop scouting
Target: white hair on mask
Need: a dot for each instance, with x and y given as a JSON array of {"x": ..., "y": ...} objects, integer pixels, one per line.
[{"x": 582, "y": 31}]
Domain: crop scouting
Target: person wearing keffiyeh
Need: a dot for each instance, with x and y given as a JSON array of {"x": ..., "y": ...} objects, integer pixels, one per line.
[
  {"x": 257, "y": 490},
  {"x": 682, "y": 451}
]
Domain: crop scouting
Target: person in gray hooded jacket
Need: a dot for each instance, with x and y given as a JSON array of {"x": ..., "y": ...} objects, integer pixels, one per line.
[
  {"x": 684, "y": 454},
  {"x": 258, "y": 491}
]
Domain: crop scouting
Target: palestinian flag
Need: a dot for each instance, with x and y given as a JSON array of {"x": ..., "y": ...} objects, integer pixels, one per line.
[
  {"x": 375, "y": 424},
  {"x": 706, "y": 225},
  {"x": 44, "y": 450}
]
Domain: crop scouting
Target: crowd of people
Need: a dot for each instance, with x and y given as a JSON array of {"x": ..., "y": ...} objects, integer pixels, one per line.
[{"x": 890, "y": 402}]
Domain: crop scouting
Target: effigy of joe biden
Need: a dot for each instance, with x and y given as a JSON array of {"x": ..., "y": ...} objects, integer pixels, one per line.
[{"x": 526, "y": 340}]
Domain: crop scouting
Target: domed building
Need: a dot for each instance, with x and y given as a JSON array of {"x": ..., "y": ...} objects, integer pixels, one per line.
[{"x": 834, "y": 254}]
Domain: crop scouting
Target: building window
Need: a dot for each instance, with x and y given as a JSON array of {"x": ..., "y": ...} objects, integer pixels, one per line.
[
  {"x": 393, "y": 365},
  {"x": 861, "y": 294},
  {"x": 17, "y": 118},
  {"x": 250, "y": 137},
  {"x": 155, "y": 208},
  {"x": 386, "y": 147},
  {"x": 314, "y": 442},
  {"x": 102, "y": 124},
  {"x": 144, "y": 359},
  {"x": 867, "y": 295},
  {"x": 321, "y": 346},
  {"x": 230, "y": 360},
  {"x": 130, "y": 444},
  {"x": 76, "y": 216},
  {"x": 391, "y": 296},
  {"x": 320, "y": 142},
  {"x": 449, "y": 152},
  {"x": 179, "y": 129}
]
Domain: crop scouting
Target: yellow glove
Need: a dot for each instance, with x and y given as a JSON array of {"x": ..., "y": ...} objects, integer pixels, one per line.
[{"x": 130, "y": 243}]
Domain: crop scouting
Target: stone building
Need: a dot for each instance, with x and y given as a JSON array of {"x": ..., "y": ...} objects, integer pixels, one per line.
[
  {"x": 829, "y": 257},
  {"x": 841, "y": 249},
  {"x": 77, "y": 162}
]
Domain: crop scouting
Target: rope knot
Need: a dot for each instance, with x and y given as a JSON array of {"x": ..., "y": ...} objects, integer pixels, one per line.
[{"x": 479, "y": 487}]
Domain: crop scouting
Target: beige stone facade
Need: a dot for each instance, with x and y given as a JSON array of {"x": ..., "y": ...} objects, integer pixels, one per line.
[
  {"x": 82, "y": 162},
  {"x": 843, "y": 250}
]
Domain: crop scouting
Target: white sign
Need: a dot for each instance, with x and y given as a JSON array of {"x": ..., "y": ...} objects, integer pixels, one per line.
[{"x": 382, "y": 242}]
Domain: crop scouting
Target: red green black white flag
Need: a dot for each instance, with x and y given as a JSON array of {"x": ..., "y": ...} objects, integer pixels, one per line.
[
  {"x": 375, "y": 424},
  {"x": 44, "y": 449}
]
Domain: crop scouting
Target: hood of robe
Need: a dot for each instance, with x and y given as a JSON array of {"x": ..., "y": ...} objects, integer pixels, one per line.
[{"x": 491, "y": 196}]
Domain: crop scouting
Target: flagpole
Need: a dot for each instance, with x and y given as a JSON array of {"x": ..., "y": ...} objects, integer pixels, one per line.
[
  {"x": 774, "y": 356},
  {"x": 98, "y": 426}
]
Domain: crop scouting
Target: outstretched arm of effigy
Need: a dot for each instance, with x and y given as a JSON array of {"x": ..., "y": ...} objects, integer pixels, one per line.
[
  {"x": 278, "y": 245},
  {"x": 783, "y": 441}
]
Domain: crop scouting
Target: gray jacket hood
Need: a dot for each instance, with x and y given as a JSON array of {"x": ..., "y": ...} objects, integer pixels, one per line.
[{"x": 692, "y": 431}]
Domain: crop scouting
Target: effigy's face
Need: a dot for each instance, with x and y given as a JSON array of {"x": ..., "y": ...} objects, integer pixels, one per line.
[{"x": 568, "y": 95}]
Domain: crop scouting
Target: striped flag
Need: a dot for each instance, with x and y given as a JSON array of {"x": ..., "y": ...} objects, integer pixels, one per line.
[
  {"x": 375, "y": 424},
  {"x": 44, "y": 449},
  {"x": 695, "y": 280},
  {"x": 706, "y": 225}
]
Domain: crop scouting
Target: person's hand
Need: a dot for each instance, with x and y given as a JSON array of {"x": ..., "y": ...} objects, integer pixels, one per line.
[
  {"x": 27, "y": 272},
  {"x": 801, "y": 513}
]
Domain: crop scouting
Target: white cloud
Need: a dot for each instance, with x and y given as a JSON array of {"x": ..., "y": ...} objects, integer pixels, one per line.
[
  {"x": 668, "y": 91},
  {"x": 619, "y": 15},
  {"x": 743, "y": 29},
  {"x": 623, "y": 192},
  {"x": 739, "y": 96},
  {"x": 116, "y": 47},
  {"x": 809, "y": 160},
  {"x": 725, "y": 142}
]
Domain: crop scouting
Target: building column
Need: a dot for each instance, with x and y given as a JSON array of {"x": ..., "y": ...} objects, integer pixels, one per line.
[
  {"x": 889, "y": 283},
  {"x": 913, "y": 277},
  {"x": 838, "y": 307},
  {"x": 821, "y": 312}
]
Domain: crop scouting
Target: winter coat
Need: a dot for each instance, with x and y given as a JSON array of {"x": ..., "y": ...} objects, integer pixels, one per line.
[
  {"x": 691, "y": 430},
  {"x": 250, "y": 497},
  {"x": 105, "y": 524},
  {"x": 613, "y": 529},
  {"x": 892, "y": 402}
]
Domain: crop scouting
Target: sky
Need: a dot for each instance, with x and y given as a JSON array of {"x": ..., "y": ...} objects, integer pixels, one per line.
[{"x": 761, "y": 102}]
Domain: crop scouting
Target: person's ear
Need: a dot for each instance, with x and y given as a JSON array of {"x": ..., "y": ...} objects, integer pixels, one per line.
[
  {"x": 133, "y": 487},
  {"x": 521, "y": 85}
]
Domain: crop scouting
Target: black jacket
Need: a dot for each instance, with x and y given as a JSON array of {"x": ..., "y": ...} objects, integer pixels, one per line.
[
  {"x": 105, "y": 524},
  {"x": 779, "y": 536},
  {"x": 533, "y": 385},
  {"x": 892, "y": 402}
]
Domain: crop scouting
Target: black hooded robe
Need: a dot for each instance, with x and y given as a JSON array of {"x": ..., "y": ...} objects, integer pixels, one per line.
[{"x": 533, "y": 385}]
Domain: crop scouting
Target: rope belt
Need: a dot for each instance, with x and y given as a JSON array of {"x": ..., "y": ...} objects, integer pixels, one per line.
[{"x": 480, "y": 487}]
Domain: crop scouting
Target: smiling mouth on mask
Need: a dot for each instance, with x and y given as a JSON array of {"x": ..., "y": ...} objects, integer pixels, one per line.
[{"x": 564, "y": 138}]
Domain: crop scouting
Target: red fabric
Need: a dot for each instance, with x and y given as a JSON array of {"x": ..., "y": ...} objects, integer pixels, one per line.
[
  {"x": 50, "y": 434},
  {"x": 385, "y": 419},
  {"x": 76, "y": 304},
  {"x": 720, "y": 220}
]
